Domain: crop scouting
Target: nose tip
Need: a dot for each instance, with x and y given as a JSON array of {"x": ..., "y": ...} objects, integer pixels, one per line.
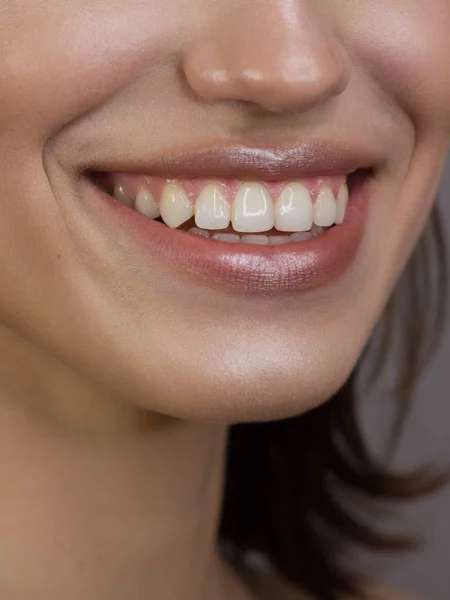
[{"x": 281, "y": 69}]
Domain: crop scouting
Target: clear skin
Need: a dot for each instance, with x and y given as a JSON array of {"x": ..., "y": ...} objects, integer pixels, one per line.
[{"x": 112, "y": 429}]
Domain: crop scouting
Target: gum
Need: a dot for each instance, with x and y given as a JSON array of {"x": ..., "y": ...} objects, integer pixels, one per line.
[{"x": 132, "y": 183}]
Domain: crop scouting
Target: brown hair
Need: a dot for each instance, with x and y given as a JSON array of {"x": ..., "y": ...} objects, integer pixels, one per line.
[{"x": 290, "y": 484}]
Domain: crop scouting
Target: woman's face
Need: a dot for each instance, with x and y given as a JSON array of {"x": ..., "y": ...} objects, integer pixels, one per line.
[{"x": 253, "y": 95}]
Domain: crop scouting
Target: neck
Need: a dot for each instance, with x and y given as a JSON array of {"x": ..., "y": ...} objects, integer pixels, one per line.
[{"x": 126, "y": 506}]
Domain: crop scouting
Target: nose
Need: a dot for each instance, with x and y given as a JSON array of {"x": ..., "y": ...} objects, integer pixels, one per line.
[{"x": 279, "y": 54}]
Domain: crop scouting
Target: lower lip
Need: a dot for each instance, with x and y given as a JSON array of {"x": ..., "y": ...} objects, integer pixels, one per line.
[{"x": 248, "y": 269}]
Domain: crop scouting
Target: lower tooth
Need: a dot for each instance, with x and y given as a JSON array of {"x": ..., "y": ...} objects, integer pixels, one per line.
[
  {"x": 300, "y": 236},
  {"x": 275, "y": 240},
  {"x": 316, "y": 230},
  {"x": 201, "y": 232},
  {"x": 255, "y": 239},
  {"x": 226, "y": 237}
]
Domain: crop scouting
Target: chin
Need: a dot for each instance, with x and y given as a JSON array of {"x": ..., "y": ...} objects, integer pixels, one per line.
[{"x": 227, "y": 374}]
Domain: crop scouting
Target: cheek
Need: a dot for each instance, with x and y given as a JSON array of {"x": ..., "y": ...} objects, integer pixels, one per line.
[
  {"x": 59, "y": 59},
  {"x": 405, "y": 47}
]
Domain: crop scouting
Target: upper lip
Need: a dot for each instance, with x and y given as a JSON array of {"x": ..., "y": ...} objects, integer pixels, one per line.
[{"x": 261, "y": 162}]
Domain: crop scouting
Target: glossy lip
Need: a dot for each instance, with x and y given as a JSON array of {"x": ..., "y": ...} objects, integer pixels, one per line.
[
  {"x": 246, "y": 269},
  {"x": 243, "y": 162}
]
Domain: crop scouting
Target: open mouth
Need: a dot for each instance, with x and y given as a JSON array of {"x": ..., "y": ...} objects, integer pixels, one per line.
[
  {"x": 252, "y": 220},
  {"x": 267, "y": 213}
]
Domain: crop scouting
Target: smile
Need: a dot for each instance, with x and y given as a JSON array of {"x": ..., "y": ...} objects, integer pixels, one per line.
[
  {"x": 236, "y": 211},
  {"x": 290, "y": 230}
]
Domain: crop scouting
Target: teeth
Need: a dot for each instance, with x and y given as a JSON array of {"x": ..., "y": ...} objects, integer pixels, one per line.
[
  {"x": 275, "y": 240},
  {"x": 255, "y": 239},
  {"x": 252, "y": 212},
  {"x": 200, "y": 232},
  {"x": 175, "y": 206},
  {"x": 294, "y": 209},
  {"x": 263, "y": 240},
  {"x": 120, "y": 194},
  {"x": 316, "y": 230},
  {"x": 341, "y": 204},
  {"x": 325, "y": 208},
  {"x": 300, "y": 236},
  {"x": 146, "y": 204},
  {"x": 212, "y": 210},
  {"x": 252, "y": 209},
  {"x": 226, "y": 237}
]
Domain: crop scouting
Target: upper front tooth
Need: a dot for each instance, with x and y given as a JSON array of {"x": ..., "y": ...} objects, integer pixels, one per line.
[
  {"x": 294, "y": 209},
  {"x": 341, "y": 204},
  {"x": 212, "y": 210},
  {"x": 325, "y": 208},
  {"x": 146, "y": 204},
  {"x": 175, "y": 206},
  {"x": 120, "y": 194},
  {"x": 252, "y": 209}
]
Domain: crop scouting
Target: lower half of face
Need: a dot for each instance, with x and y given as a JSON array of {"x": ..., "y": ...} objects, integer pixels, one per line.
[{"x": 205, "y": 208}]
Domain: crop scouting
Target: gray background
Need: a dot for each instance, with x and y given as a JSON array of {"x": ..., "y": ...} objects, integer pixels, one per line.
[{"x": 425, "y": 572}]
